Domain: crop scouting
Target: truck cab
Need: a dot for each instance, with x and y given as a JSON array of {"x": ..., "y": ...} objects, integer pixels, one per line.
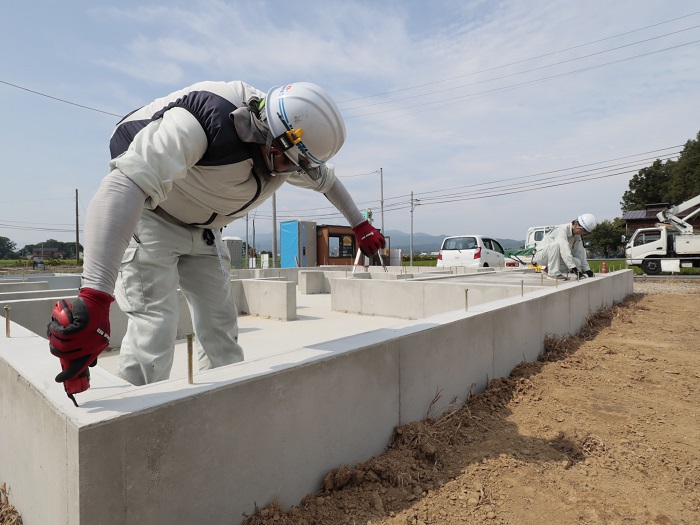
[
  {"x": 646, "y": 247},
  {"x": 535, "y": 234}
]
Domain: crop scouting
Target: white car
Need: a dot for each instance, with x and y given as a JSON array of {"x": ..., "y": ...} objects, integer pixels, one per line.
[{"x": 471, "y": 251}]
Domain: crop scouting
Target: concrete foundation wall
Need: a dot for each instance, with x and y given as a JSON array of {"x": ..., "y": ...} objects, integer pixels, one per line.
[
  {"x": 55, "y": 281},
  {"x": 261, "y": 430},
  {"x": 38, "y": 444},
  {"x": 19, "y": 286},
  {"x": 417, "y": 299},
  {"x": 32, "y": 309}
]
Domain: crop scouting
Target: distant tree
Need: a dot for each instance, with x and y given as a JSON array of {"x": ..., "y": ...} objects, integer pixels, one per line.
[
  {"x": 65, "y": 249},
  {"x": 607, "y": 236},
  {"x": 7, "y": 247},
  {"x": 685, "y": 179},
  {"x": 647, "y": 186},
  {"x": 673, "y": 182}
]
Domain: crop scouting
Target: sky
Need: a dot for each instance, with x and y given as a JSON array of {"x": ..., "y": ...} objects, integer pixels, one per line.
[{"x": 477, "y": 116}]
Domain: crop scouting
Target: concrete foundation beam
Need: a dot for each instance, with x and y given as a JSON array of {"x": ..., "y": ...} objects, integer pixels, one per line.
[{"x": 256, "y": 431}]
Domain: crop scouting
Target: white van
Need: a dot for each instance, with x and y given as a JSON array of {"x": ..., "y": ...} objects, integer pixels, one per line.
[{"x": 472, "y": 251}]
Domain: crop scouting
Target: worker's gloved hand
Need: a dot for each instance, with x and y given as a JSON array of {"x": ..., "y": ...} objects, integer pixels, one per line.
[
  {"x": 579, "y": 274},
  {"x": 589, "y": 273},
  {"x": 78, "y": 333},
  {"x": 368, "y": 238}
]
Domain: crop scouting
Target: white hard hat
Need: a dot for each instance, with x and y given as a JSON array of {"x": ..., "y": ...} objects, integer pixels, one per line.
[
  {"x": 305, "y": 117},
  {"x": 587, "y": 222}
]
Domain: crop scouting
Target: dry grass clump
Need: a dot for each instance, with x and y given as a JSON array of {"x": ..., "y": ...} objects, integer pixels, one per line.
[{"x": 8, "y": 513}]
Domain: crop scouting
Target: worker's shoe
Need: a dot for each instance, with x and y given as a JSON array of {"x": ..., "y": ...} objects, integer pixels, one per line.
[{"x": 557, "y": 277}]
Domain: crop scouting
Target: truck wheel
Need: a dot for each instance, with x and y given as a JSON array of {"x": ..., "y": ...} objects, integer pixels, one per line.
[{"x": 651, "y": 266}]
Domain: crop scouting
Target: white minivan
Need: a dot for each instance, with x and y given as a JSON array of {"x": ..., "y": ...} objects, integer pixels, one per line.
[{"x": 472, "y": 251}]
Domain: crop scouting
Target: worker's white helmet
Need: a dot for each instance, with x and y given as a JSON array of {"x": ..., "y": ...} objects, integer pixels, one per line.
[
  {"x": 587, "y": 222},
  {"x": 303, "y": 118}
]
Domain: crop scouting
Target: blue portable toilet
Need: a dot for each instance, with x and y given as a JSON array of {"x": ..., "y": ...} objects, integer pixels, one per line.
[{"x": 297, "y": 244}]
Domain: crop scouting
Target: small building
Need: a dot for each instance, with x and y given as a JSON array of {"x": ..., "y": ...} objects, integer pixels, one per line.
[
  {"x": 46, "y": 252},
  {"x": 646, "y": 218},
  {"x": 306, "y": 244},
  {"x": 297, "y": 244},
  {"x": 335, "y": 245},
  {"x": 235, "y": 248}
]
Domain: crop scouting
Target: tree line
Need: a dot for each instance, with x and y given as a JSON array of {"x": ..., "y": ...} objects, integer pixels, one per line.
[{"x": 8, "y": 249}]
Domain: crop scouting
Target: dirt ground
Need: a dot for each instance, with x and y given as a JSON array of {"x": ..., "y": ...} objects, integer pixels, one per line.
[{"x": 605, "y": 429}]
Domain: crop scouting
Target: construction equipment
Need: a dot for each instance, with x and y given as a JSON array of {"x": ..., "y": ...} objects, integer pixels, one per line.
[{"x": 671, "y": 244}]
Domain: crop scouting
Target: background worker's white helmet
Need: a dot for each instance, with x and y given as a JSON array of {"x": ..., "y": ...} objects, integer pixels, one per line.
[
  {"x": 307, "y": 107},
  {"x": 587, "y": 222}
]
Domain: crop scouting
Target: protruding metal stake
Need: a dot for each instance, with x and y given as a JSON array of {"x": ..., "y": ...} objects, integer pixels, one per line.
[
  {"x": 466, "y": 299},
  {"x": 7, "y": 321},
  {"x": 541, "y": 278},
  {"x": 522, "y": 287},
  {"x": 190, "y": 374}
]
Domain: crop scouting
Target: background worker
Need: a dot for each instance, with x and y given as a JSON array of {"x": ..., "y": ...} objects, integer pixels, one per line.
[
  {"x": 183, "y": 167},
  {"x": 562, "y": 251}
]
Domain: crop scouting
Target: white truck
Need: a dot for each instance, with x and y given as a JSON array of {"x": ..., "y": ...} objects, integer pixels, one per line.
[{"x": 670, "y": 245}]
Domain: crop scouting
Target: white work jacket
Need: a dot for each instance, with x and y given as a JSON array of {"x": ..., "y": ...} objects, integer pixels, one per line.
[
  {"x": 184, "y": 152},
  {"x": 570, "y": 246}
]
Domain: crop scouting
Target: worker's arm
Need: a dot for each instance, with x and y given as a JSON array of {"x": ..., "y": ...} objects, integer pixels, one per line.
[
  {"x": 111, "y": 220},
  {"x": 142, "y": 176},
  {"x": 562, "y": 240},
  {"x": 579, "y": 251},
  {"x": 368, "y": 238},
  {"x": 323, "y": 179}
]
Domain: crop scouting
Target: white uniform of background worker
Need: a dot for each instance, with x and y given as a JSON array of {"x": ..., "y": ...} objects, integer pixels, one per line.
[
  {"x": 562, "y": 250},
  {"x": 182, "y": 168}
]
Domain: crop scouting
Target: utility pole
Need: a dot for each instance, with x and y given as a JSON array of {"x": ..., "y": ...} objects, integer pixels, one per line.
[
  {"x": 77, "y": 234},
  {"x": 381, "y": 201},
  {"x": 247, "y": 246},
  {"x": 411, "y": 243},
  {"x": 274, "y": 230},
  {"x": 255, "y": 251},
  {"x": 414, "y": 203}
]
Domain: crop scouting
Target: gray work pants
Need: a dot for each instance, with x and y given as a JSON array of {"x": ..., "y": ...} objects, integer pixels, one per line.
[
  {"x": 168, "y": 255},
  {"x": 550, "y": 256}
]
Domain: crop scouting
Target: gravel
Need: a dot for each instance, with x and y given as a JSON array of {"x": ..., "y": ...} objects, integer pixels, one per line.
[{"x": 678, "y": 286}]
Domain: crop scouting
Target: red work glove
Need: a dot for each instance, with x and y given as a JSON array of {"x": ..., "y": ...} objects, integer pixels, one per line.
[
  {"x": 368, "y": 238},
  {"x": 77, "y": 334}
]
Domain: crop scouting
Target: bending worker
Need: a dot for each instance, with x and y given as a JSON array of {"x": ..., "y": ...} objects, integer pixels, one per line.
[
  {"x": 562, "y": 251},
  {"x": 182, "y": 168}
]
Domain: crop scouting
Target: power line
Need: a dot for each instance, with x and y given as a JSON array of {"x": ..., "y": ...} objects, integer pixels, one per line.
[
  {"x": 59, "y": 99},
  {"x": 533, "y": 175},
  {"x": 530, "y": 177},
  {"x": 518, "y": 85},
  {"x": 65, "y": 101},
  {"x": 31, "y": 228},
  {"x": 525, "y": 71},
  {"x": 37, "y": 200},
  {"x": 519, "y": 61}
]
